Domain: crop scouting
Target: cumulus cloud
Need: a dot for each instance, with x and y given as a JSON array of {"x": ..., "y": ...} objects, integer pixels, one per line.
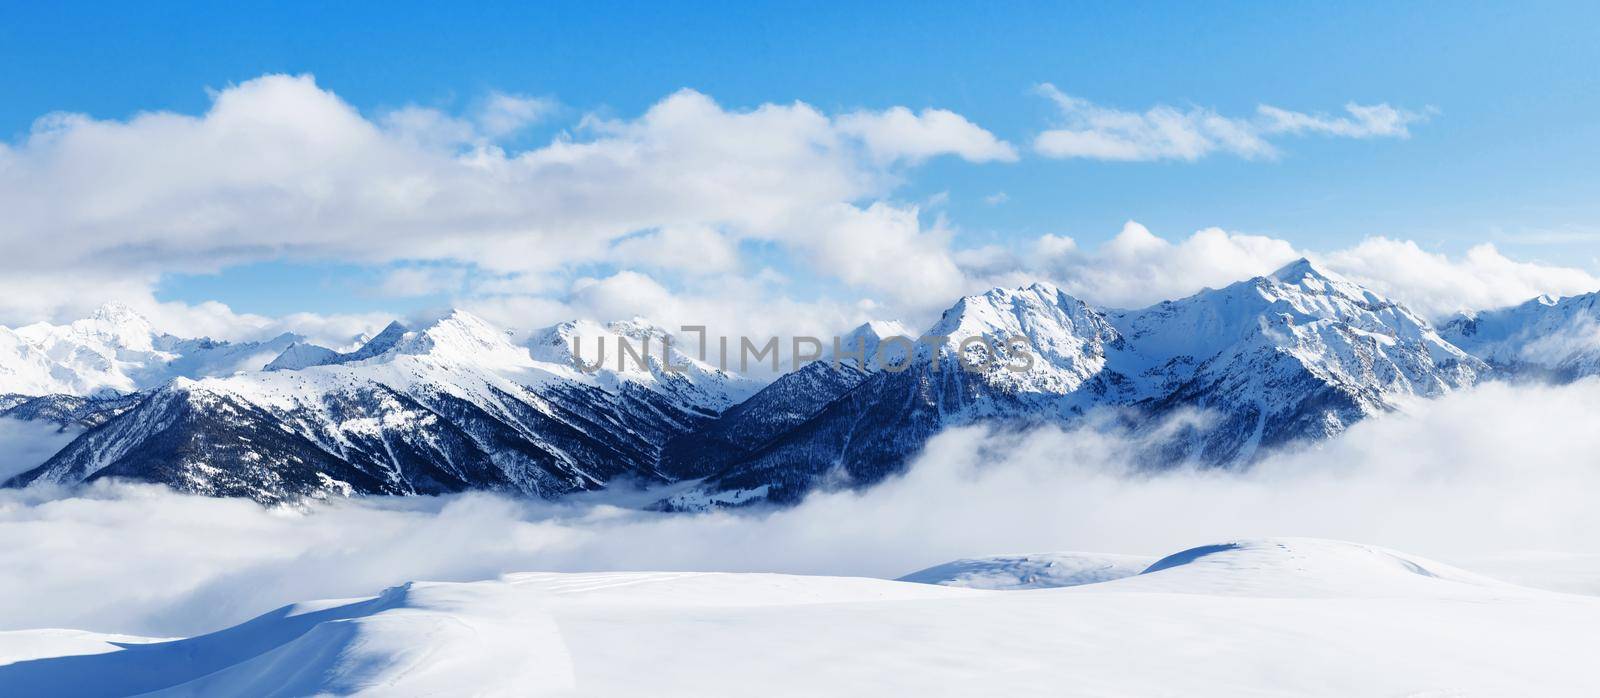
[
  {"x": 412, "y": 281},
  {"x": 280, "y": 168},
  {"x": 1500, "y": 468},
  {"x": 1438, "y": 285},
  {"x": 755, "y": 306},
  {"x": 1137, "y": 267},
  {"x": 693, "y": 249},
  {"x": 1095, "y": 132},
  {"x": 898, "y": 133},
  {"x": 885, "y": 248}
]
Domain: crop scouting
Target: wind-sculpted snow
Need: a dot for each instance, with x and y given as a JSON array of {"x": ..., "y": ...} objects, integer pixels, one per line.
[
  {"x": 1248, "y": 617},
  {"x": 1038, "y": 571}
]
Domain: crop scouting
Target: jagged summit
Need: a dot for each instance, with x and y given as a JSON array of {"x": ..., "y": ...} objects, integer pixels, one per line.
[
  {"x": 301, "y": 355},
  {"x": 381, "y": 342},
  {"x": 1292, "y": 357},
  {"x": 297, "y": 356},
  {"x": 459, "y": 336},
  {"x": 863, "y": 347},
  {"x": 1297, "y": 271}
]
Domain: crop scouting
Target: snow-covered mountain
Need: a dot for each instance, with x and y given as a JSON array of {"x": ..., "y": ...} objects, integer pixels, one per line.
[
  {"x": 455, "y": 405},
  {"x": 115, "y": 350},
  {"x": 1214, "y": 379},
  {"x": 784, "y": 404},
  {"x": 1295, "y": 356},
  {"x": 1542, "y": 338},
  {"x": 304, "y": 355},
  {"x": 637, "y": 355}
]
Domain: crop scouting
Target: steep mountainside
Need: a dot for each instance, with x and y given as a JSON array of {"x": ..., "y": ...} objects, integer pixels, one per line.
[
  {"x": 1542, "y": 338},
  {"x": 301, "y": 355},
  {"x": 1300, "y": 354},
  {"x": 454, "y": 406},
  {"x": 785, "y": 404},
  {"x": 1280, "y": 359}
]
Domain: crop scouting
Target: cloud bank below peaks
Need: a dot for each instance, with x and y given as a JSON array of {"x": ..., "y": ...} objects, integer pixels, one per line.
[{"x": 1497, "y": 468}]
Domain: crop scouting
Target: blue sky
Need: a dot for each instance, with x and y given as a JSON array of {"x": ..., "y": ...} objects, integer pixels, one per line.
[{"x": 1505, "y": 157}]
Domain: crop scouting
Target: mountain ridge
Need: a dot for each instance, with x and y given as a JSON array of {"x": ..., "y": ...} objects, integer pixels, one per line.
[{"x": 1281, "y": 359}]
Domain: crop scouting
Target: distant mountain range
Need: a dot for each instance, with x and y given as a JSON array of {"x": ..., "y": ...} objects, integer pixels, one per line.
[{"x": 1216, "y": 379}]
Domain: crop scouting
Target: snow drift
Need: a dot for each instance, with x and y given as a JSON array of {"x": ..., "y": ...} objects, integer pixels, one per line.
[{"x": 1248, "y": 617}]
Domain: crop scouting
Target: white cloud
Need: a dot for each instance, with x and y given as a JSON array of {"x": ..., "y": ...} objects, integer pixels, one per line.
[
  {"x": 897, "y": 133},
  {"x": 412, "y": 281},
  {"x": 693, "y": 249},
  {"x": 1136, "y": 268},
  {"x": 730, "y": 306},
  {"x": 505, "y": 114},
  {"x": 756, "y": 305},
  {"x": 279, "y": 168},
  {"x": 885, "y": 248},
  {"x": 1436, "y": 285},
  {"x": 1365, "y": 121},
  {"x": 1167, "y": 133},
  {"x": 1500, "y": 468},
  {"x": 996, "y": 198}
]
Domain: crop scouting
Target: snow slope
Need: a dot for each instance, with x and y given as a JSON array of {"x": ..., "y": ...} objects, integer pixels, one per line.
[
  {"x": 455, "y": 405},
  {"x": 1243, "y": 618},
  {"x": 115, "y": 350},
  {"x": 1293, "y": 357},
  {"x": 1037, "y": 571},
  {"x": 1545, "y": 336}
]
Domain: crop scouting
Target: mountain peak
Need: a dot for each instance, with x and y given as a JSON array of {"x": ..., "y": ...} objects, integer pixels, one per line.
[
  {"x": 1301, "y": 269},
  {"x": 866, "y": 339},
  {"x": 878, "y": 330},
  {"x": 111, "y": 329},
  {"x": 461, "y": 335},
  {"x": 114, "y": 311},
  {"x": 381, "y": 342}
]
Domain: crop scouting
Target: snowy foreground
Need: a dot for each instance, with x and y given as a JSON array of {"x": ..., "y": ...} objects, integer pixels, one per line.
[{"x": 1263, "y": 617}]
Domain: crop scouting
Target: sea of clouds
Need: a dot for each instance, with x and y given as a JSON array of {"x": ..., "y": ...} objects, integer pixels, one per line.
[{"x": 1502, "y": 474}]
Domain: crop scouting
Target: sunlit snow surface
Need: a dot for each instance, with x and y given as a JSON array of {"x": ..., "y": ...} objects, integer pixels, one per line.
[{"x": 1255, "y": 617}]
